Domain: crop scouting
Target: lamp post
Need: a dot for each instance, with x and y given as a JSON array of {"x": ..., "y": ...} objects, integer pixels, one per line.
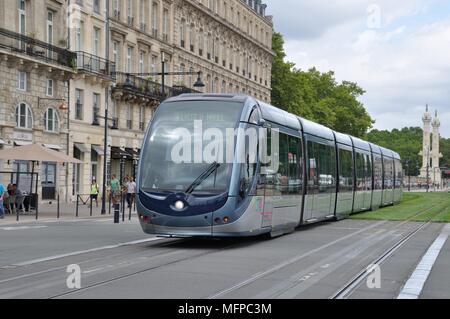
[{"x": 428, "y": 171}]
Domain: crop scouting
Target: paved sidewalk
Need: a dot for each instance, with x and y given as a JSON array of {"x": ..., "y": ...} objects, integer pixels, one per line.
[{"x": 67, "y": 211}]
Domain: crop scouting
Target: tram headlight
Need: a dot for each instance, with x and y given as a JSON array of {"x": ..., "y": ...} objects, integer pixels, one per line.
[{"x": 179, "y": 205}]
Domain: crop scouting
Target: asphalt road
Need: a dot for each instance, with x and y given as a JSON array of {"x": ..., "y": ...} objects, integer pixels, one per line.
[{"x": 119, "y": 261}]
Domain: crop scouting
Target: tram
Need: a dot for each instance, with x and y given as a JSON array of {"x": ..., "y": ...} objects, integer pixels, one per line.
[{"x": 215, "y": 165}]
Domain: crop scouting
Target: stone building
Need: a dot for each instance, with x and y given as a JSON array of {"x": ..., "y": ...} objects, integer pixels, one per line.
[
  {"x": 34, "y": 78},
  {"x": 228, "y": 41}
]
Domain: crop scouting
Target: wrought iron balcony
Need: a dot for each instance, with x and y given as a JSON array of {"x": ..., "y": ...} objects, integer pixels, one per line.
[
  {"x": 95, "y": 65},
  {"x": 132, "y": 87},
  {"x": 17, "y": 43}
]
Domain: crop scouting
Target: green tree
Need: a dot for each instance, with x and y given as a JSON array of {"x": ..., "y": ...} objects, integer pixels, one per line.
[
  {"x": 408, "y": 143},
  {"x": 317, "y": 96}
]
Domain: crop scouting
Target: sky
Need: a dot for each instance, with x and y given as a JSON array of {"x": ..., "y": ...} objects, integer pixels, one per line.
[{"x": 397, "y": 51}]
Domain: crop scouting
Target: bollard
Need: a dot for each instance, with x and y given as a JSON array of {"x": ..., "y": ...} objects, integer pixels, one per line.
[
  {"x": 57, "y": 207},
  {"x": 129, "y": 215},
  {"x": 76, "y": 211},
  {"x": 123, "y": 206},
  {"x": 109, "y": 210},
  {"x": 90, "y": 205},
  {"x": 116, "y": 213},
  {"x": 37, "y": 207}
]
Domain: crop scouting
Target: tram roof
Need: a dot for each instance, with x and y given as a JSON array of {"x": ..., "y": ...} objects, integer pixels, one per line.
[
  {"x": 275, "y": 115},
  {"x": 360, "y": 144},
  {"x": 316, "y": 129},
  {"x": 209, "y": 97},
  {"x": 343, "y": 138},
  {"x": 386, "y": 152},
  {"x": 375, "y": 148}
]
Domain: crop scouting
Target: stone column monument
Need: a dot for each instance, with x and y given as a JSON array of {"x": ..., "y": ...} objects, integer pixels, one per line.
[
  {"x": 425, "y": 171},
  {"x": 435, "y": 153}
]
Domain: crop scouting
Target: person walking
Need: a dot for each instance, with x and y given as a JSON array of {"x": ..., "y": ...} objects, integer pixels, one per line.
[
  {"x": 94, "y": 192},
  {"x": 2, "y": 193},
  {"x": 115, "y": 189},
  {"x": 19, "y": 198},
  {"x": 11, "y": 198},
  {"x": 131, "y": 192}
]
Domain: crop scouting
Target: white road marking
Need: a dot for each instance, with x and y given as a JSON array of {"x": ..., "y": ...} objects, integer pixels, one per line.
[
  {"x": 414, "y": 286},
  {"x": 22, "y": 227},
  {"x": 75, "y": 253}
]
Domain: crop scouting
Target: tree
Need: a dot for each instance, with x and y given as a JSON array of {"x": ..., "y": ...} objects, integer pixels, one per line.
[
  {"x": 317, "y": 96},
  {"x": 408, "y": 143}
]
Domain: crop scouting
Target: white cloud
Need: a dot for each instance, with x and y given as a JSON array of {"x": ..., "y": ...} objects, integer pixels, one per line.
[{"x": 403, "y": 65}]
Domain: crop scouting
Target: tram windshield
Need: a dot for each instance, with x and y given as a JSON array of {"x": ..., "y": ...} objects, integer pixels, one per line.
[{"x": 185, "y": 139}]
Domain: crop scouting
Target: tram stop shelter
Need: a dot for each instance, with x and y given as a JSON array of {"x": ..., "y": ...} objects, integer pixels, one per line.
[{"x": 36, "y": 153}]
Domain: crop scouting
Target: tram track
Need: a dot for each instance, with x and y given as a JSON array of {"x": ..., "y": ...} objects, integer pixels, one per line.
[
  {"x": 351, "y": 286},
  {"x": 155, "y": 267}
]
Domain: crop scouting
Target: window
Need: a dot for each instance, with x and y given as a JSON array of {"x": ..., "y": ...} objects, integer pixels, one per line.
[
  {"x": 129, "y": 65},
  {"x": 322, "y": 167},
  {"x": 78, "y": 37},
  {"x": 24, "y": 118},
  {"x": 97, "y": 6},
  {"x": 95, "y": 108},
  {"x": 182, "y": 34},
  {"x": 22, "y": 81},
  {"x": 142, "y": 118},
  {"x": 154, "y": 62},
  {"x": 129, "y": 117},
  {"x": 398, "y": 174},
  {"x": 51, "y": 120},
  {"x": 345, "y": 170},
  {"x": 155, "y": 19},
  {"x": 130, "y": 12},
  {"x": 50, "y": 32},
  {"x": 166, "y": 25},
  {"x": 142, "y": 62},
  {"x": 116, "y": 53},
  {"x": 363, "y": 171},
  {"x": 49, "y": 90},
  {"x": 191, "y": 37},
  {"x": 79, "y": 104},
  {"x": 22, "y": 18},
  {"x": 378, "y": 172}
]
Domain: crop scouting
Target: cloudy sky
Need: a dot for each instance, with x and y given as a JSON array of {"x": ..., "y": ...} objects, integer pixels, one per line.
[{"x": 398, "y": 51}]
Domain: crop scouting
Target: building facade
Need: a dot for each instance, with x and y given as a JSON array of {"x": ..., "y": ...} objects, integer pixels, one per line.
[
  {"x": 35, "y": 71},
  {"x": 118, "y": 63}
]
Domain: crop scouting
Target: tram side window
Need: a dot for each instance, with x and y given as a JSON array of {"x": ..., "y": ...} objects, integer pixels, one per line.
[
  {"x": 368, "y": 166},
  {"x": 388, "y": 173},
  {"x": 282, "y": 177},
  {"x": 345, "y": 171},
  {"x": 398, "y": 174},
  {"x": 313, "y": 170},
  {"x": 327, "y": 168},
  {"x": 295, "y": 160},
  {"x": 322, "y": 166},
  {"x": 378, "y": 172},
  {"x": 360, "y": 171},
  {"x": 248, "y": 169}
]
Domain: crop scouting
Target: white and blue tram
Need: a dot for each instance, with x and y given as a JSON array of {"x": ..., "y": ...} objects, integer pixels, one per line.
[{"x": 320, "y": 174}]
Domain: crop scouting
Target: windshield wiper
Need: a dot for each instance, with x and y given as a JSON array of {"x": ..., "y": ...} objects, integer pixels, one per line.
[{"x": 204, "y": 176}]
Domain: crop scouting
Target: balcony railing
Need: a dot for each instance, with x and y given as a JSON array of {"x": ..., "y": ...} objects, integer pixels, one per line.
[
  {"x": 36, "y": 49},
  {"x": 138, "y": 86},
  {"x": 94, "y": 64}
]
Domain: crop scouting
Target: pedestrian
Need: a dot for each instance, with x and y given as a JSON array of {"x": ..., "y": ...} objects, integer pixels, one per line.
[
  {"x": 12, "y": 198},
  {"x": 131, "y": 192},
  {"x": 94, "y": 192},
  {"x": 2, "y": 193},
  {"x": 19, "y": 198},
  {"x": 115, "y": 190}
]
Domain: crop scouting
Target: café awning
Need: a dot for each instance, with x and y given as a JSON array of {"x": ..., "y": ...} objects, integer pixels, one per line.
[{"x": 36, "y": 153}]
